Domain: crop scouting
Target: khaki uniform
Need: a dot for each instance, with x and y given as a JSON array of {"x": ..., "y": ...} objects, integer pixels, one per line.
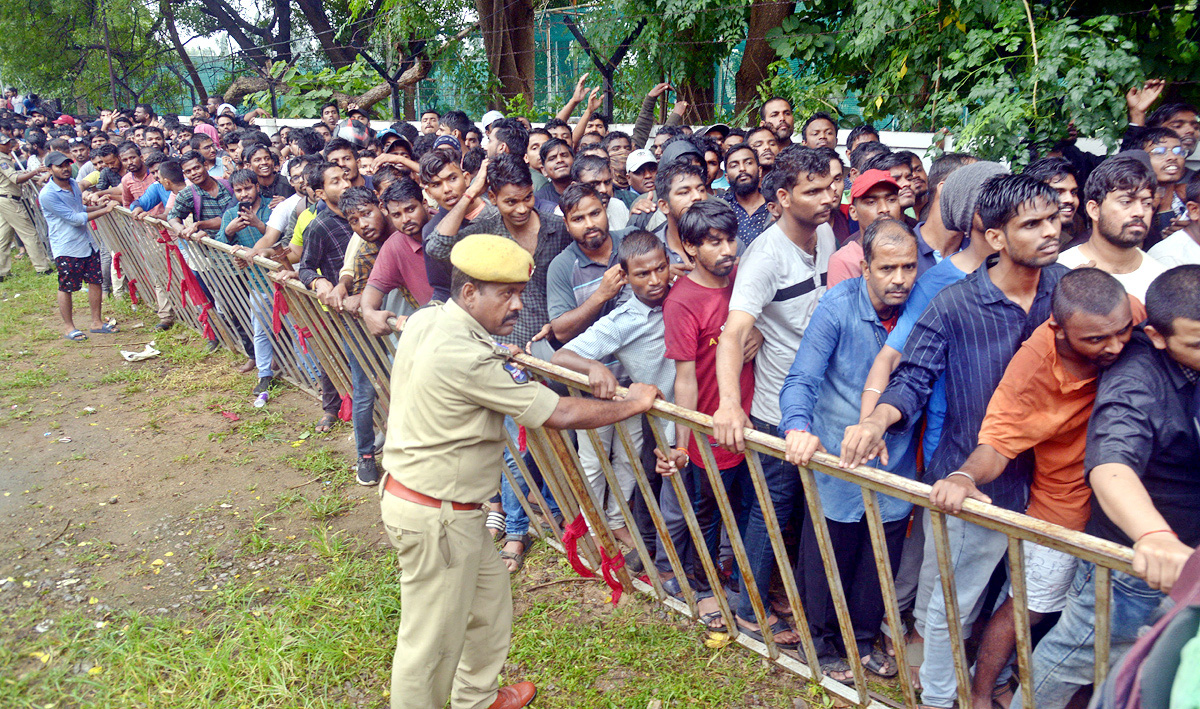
[
  {"x": 451, "y": 388},
  {"x": 14, "y": 219}
]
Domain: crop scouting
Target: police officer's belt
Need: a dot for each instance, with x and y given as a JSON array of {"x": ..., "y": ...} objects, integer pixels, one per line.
[{"x": 393, "y": 486}]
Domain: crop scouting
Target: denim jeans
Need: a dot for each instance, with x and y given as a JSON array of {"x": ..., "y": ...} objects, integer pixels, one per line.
[
  {"x": 516, "y": 522},
  {"x": 363, "y": 398},
  {"x": 974, "y": 553},
  {"x": 1065, "y": 659},
  {"x": 264, "y": 352},
  {"x": 783, "y": 482},
  {"x": 738, "y": 486}
]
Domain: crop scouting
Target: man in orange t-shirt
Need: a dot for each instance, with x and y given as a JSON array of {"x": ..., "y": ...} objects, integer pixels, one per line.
[{"x": 1043, "y": 403}]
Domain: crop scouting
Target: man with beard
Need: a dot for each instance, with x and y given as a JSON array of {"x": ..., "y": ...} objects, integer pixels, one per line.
[
  {"x": 741, "y": 169},
  {"x": 765, "y": 145},
  {"x": 1167, "y": 155},
  {"x": 445, "y": 183},
  {"x": 820, "y": 131},
  {"x": 776, "y": 114},
  {"x": 899, "y": 167},
  {"x": 594, "y": 171},
  {"x": 401, "y": 261},
  {"x": 1043, "y": 404},
  {"x": 873, "y": 196},
  {"x": 819, "y": 399},
  {"x": 557, "y": 158},
  {"x": 1060, "y": 174},
  {"x": 1120, "y": 199}
]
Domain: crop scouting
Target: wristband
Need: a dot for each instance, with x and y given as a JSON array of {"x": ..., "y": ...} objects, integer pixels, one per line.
[
  {"x": 872, "y": 389},
  {"x": 968, "y": 476},
  {"x": 681, "y": 449},
  {"x": 1156, "y": 531}
]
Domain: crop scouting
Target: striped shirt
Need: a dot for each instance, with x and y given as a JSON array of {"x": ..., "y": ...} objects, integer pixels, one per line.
[{"x": 970, "y": 331}]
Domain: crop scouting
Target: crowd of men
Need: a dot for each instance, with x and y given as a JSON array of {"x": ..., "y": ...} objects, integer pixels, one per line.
[{"x": 1028, "y": 339}]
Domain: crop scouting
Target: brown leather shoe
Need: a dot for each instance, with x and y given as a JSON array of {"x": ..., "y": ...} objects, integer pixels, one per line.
[{"x": 515, "y": 696}]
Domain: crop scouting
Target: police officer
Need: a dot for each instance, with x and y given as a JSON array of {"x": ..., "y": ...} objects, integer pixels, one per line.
[
  {"x": 452, "y": 386},
  {"x": 13, "y": 217}
]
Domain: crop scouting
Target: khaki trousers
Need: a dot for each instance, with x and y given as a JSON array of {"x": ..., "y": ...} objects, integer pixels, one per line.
[
  {"x": 15, "y": 220},
  {"x": 456, "y": 607}
]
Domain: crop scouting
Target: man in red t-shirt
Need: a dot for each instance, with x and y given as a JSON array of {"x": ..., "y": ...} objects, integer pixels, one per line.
[
  {"x": 694, "y": 314},
  {"x": 401, "y": 261}
]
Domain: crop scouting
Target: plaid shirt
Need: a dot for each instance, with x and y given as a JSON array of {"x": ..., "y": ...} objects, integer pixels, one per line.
[
  {"x": 210, "y": 207},
  {"x": 325, "y": 242},
  {"x": 364, "y": 261}
]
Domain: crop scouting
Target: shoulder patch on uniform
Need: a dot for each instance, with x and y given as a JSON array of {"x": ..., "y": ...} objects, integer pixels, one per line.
[{"x": 518, "y": 373}]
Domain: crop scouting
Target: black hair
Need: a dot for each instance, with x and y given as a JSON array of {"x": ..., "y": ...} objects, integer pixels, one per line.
[
  {"x": 886, "y": 161},
  {"x": 198, "y": 139},
  {"x": 62, "y": 145},
  {"x": 1193, "y": 190},
  {"x": 861, "y": 130},
  {"x": 155, "y": 157},
  {"x": 591, "y": 138},
  {"x": 818, "y": 116},
  {"x": 404, "y": 189},
  {"x": 941, "y": 167},
  {"x": 790, "y": 164},
  {"x": 884, "y": 231},
  {"x": 147, "y": 108},
  {"x": 860, "y": 156},
  {"x": 1173, "y": 295},
  {"x": 830, "y": 154},
  {"x": 703, "y": 216},
  {"x": 552, "y": 144},
  {"x": 154, "y": 129},
  {"x": 386, "y": 174},
  {"x": 171, "y": 170},
  {"x": 1165, "y": 112},
  {"x": 456, "y": 121},
  {"x": 407, "y": 130},
  {"x": 356, "y": 197},
  {"x": 473, "y": 129},
  {"x": 473, "y": 159},
  {"x": 336, "y": 144},
  {"x": 1087, "y": 290},
  {"x": 750, "y": 132},
  {"x": 670, "y": 132},
  {"x": 434, "y": 161},
  {"x": 677, "y": 168},
  {"x": 233, "y": 137},
  {"x": 1001, "y": 197},
  {"x": 242, "y": 176},
  {"x": 127, "y": 146},
  {"x": 762, "y": 110},
  {"x": 308, "y": 140},
  {"x": 615, "y": 135},
  {"x": 737, "y": 132},
  {"x": 587, "y": 163},
  {"x": 555, "y": 123},
  {"x": 740, "y": 146},
  {"x": 109, "y": 149},
  {"x": 539, "y": 131},
  {"x": 768, "y": 185},
  {"x": 508, "y": 169},
  {"x": 314, "y": 174},
  {"x": 327, "y": 105},
  {"x": 431, "y": 110},
  {"x": 598, "y": 117},
  {"x": 254, "y": 148},
  {"x": 423, "y": 144},
  {"x": 1123, "y": 173},
  {"x": 183, "y": 159},
  {"x": 512, "y": 133},
  {"x": 1050, "y": 169},
  {"x": 1150, "y": 136},
  {"x": 251, "y": 136},
  {"x": 639, "y": 243},
  {"x": 575, "y": 193}
]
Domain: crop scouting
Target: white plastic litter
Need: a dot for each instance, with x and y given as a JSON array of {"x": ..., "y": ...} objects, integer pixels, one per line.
[{"x": 146, "y": 353}]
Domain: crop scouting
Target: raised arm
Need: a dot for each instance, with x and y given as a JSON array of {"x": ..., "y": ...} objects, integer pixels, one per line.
[{"x": 442, "y": 239}]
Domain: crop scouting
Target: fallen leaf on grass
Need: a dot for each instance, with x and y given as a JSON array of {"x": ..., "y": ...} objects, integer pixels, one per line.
[
  {"x": 45, "y": 658},
  {"x": 716, "y": 641}
]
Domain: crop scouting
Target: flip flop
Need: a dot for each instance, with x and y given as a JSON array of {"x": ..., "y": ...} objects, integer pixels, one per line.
[
  {"x": 880, "y": 663},
  {"x": 517, "y": 556},
  {"x": 779, "y": 626},
  {"x": 108, "y": 329},
  {"x": 325, "y": 425},
  {"x": 75, "y": 336},
  {"x": 836, "y": 664},
  {"x": 709, "y": 618}
]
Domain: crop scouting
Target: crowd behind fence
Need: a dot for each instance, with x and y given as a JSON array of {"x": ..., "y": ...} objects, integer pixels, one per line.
[{"x": 215, "y": 292}]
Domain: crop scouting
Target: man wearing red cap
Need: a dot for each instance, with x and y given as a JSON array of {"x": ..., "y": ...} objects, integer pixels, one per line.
[
  {"x": 874, "y": 195},
  {"x": 64, "y": 120}
]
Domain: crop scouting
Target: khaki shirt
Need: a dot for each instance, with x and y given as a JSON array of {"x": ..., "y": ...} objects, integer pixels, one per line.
[
  {"x": 451, "y": 389},
  {"x": 8, "y": 176}
]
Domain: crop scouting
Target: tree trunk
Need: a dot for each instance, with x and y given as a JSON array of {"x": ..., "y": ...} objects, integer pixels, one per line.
[
  {"x": 283, "y": 37},
  {"x": 696, "y": 84},
  {"x": 250, "y": 84},
  {"x": 169, "y": 16},
  {"x": 339, "y": 55},
  {"x": 508, "y": 39},
  {"x": 758, "y": 54}
]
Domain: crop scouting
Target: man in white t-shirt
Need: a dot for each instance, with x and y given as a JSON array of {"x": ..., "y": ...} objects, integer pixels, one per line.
[
  {"x": 1182, "y": 247},
  {"x": 779, "y": 280},
  {"x": 1120, "y": 202}
]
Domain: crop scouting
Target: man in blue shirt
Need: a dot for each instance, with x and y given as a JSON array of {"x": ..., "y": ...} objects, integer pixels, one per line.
[
  {"x": 970, "y": 331},
  {"x": 818, "y": 401},
  {"x": 243, "y": 224},
  {"x": 76, "y": 254}
]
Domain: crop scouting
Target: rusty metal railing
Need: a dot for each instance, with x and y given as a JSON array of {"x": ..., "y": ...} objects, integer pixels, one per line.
[{"x": 327, "y": 336}]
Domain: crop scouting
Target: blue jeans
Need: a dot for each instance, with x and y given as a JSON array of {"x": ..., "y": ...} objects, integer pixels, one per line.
[
  {"x": 516, "y": 522},
  {"x": 264, "y": 352},
  {"x": 974, "y": 553},
  {"x": 364, "y": 406},
  {"x": 783, "y": 482},
  {"x": 1065, "y": 659}
]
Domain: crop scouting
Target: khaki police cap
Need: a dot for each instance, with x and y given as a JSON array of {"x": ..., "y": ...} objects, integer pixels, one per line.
[{"x": 492, "y": 258}]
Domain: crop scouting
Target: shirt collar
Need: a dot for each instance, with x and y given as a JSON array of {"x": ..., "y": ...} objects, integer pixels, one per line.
[
  {"x": 866, "y": 309},
  {"x": 992, "y": 294},
  {"x": 456, "y": 312},
  {"x": 639, "y": 308},
  {"x": 414, "y": 244}
]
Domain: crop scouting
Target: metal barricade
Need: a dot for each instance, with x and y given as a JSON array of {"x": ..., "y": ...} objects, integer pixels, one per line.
[{"x": 334, "y": 337}]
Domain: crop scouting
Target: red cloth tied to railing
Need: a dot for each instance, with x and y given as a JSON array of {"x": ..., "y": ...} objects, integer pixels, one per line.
[
  {"x": 346, "y": 412},
  {"x": 608, "y": 569},
  {"x": 572, "y": 533},
  {"x": 302, "y": 334},
  {"x": 116, "y": 264},
  {"x": 522, "y": 439},
  {"x": 189, "y": 285},
  {"x": 133, "y": 296},
  {"x": 209, "y": 333},
  {"x": 279, "y": 308}
]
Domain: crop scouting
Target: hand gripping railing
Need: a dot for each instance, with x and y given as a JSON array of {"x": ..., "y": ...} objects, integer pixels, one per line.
[{"x": 305, "y": 329}]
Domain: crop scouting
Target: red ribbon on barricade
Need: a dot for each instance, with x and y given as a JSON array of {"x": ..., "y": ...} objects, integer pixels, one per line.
[
  {"x": 189, "y": 285},
  {"x": 522, "y": 439},
  {"x": 209, "y": 333},
  {"x": 608, "y": 569},
  {"x": 346, "y": 412},
  {"x": 572, "y": 533},
  {"x": 116, "y": 264},
  {"x": 279, "y": 308},
  {"x": 302, "y": 334},
  {"x": 133, "y": 297}
]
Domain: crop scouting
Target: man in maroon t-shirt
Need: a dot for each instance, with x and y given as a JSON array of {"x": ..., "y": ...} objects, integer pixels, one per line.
[
  {"x": 694, "y": 314},
  {"x": 401, "y": 260}
]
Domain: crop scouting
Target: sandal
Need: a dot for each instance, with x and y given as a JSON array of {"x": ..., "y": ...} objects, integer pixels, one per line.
[
  {"x": 881, "y": 663},
  {"x": 75, "y": 336},
  {"x": 517, "y": 556},
  {"x": 108, "y": 329},
  {"x": 832, "y": 664},
  {"x": 709, "y": 619},
  {"x": 495, "y": 523},
  {"x": 779, "y": 626},
  {"x": 325, "y": 425}
]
